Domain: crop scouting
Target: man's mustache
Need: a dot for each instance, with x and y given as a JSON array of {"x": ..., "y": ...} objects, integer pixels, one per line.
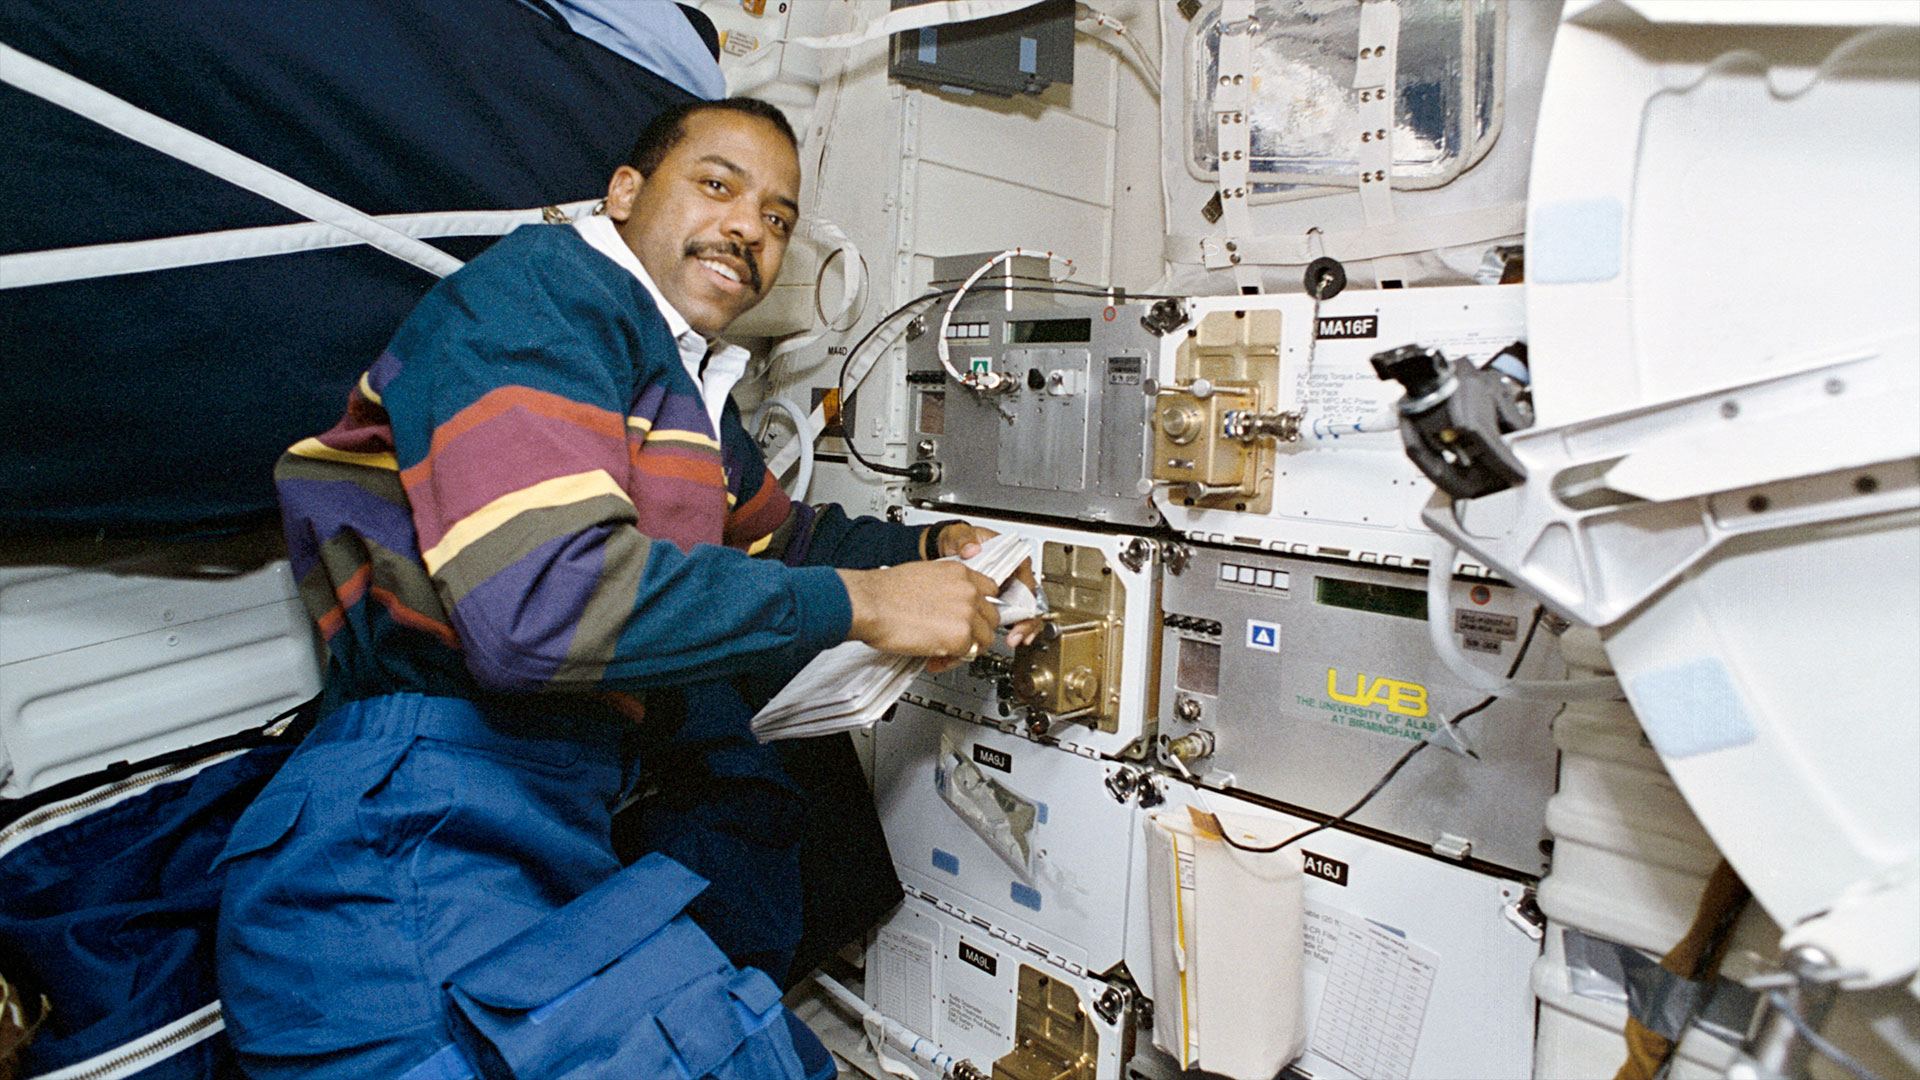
[{"x": 703, "y": 248}]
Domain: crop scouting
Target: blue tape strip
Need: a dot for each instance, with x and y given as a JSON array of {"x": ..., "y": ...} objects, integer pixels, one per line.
[
  {"x": 929, "y": 46},
  {"x": 944, "y": 860},
  {"x": 1025, "y": 896}
]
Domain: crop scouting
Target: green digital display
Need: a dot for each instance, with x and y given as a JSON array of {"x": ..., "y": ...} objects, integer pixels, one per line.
[{"x": 1363, "y": 596}]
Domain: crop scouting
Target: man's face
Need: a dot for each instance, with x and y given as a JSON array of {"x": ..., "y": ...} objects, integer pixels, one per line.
[{"x": 712, "y": 223}]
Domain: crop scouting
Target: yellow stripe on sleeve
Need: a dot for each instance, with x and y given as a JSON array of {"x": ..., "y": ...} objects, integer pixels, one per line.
[
  {"x": 760, "y": 545},
  {"x": 559, "y": 491},
  {"x": 366, "y": 388},
  {"x": 319, "y": 451},
  {"x": 685, "y": 438}
]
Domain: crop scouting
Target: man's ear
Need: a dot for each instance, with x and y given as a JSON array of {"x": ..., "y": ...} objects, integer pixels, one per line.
[{"x": 622, "y": 189}]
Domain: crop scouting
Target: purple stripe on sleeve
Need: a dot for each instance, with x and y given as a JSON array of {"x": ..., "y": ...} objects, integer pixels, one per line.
[
  {"x": 328, "y": 506},
  {"x": 518, "y": 625},
  {"x": 802, "y": 538},
  {"x": 682, "y": 412},
  {"x": 383, "y": 371}
]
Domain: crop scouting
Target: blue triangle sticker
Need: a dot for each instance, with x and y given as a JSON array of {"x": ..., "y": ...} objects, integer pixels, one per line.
[{"x": 1264, "y": 636}]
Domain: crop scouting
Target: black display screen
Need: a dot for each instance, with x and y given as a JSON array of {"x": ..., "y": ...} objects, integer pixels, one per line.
[
  {"x": 1379, "y": 599},
  {"x": 1048, "y": 331}
]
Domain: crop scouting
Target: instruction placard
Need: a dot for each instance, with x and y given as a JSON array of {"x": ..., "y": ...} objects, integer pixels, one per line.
[
  {"x": 906, "y": 977},
  {"x": 1375, "y": 998}
]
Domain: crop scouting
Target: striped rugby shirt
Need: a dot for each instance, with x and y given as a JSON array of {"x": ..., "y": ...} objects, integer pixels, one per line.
[{"x": 527, "y": 494}]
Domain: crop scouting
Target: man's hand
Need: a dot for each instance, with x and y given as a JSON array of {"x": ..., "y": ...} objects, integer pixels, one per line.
[
  {"x": 964, "y": 540},
  {"x": 934, "y": 609}
]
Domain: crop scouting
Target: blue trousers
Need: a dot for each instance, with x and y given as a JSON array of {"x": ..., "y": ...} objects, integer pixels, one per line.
[{"x": 429, "y": 887}]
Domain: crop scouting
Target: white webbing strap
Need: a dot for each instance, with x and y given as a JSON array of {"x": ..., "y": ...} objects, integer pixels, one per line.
[
  {"x": 46, "y": 81},
  {"x": 1373, "y": 83},
  {"x": 1375, "y": 73},
  {"x": 27, "y": 268},
  {"x": 1233, "y": 128},
  {"x": 1402, "y": 237}
]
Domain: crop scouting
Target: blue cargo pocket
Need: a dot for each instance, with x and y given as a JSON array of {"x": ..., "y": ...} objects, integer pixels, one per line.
[
  {"x": 265, "y": 823},
  {"x": 617, "y": 984},
  {"x": 705, "y": 1023},
  {"x": 258, "y": 924}
]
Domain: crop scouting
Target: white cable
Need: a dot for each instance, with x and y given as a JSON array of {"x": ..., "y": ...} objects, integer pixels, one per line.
[
  {"x": 923, "y": 1049},
  {"x": 992, "y": 380},
  {"x": 838, "y": 245},
  {"x": 1440, "y": 633},
  {"x": 863, "y": 365},
  {"x": 1101, "y": 19},
  {"x": 802, "y": 437},
  {"x": 825, "y": 231},
  {"x": 1320, "y": 428},
  {"x": 76, "y": 95}
]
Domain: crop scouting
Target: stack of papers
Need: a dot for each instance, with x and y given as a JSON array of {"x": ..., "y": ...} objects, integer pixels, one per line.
[{"x": 853, "y": 684}]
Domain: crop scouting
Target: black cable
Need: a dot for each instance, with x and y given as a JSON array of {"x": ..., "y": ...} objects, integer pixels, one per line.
[
  {"x": 1349, "y": 811},
  {"x": 1519, "y": 655},
  {"x": 840, "y": 383}
]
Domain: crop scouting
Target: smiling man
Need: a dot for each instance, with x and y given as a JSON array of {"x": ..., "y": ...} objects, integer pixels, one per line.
[
  {"x": 713, "y": 221},
  {"x": 552, "y": 572}
]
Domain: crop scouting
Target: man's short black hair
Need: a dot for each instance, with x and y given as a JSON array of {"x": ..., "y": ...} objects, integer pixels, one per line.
[{"x": 668, "y": 127}]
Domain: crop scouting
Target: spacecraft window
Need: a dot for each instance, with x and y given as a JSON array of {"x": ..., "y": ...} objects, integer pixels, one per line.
[{"x": 1304, "y": 109}]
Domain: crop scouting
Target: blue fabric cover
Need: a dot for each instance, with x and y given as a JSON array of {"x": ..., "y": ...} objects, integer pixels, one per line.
[
  {"x": 157, "y": 403},
  {"x": 640, "y": 31},
  {"x": 114, "y": 916}
]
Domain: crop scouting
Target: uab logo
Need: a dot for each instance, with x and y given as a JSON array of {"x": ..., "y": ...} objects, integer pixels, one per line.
[{"x": 1404, "y": 698}]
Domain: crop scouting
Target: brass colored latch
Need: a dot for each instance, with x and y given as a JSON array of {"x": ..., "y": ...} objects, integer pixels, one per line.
[
  {"x": 1072, "y": 673},
  {"x": 1215, "y": 426},
  {"x": 1053, "y": 1037}
]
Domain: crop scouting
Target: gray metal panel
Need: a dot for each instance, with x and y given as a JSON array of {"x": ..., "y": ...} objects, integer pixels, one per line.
[
  {"x": 1067, "y": 440},
  {"x": 122, "y": 662},
  {"x": 1317, "y": 718},
  {"x": 1044, "y": 442}
]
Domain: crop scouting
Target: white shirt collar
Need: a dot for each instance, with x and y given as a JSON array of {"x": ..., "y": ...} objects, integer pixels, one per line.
[
  {"x": 600, "y": 231},
  {"x": 714, "y": 366}
]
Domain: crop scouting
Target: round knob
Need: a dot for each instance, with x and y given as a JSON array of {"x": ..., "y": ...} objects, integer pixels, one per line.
[
  {"x": 1033, "y": 683},
  {"x": 1181, "y": 423},
  {"x": 1187, "y": 709},
  {"x": 1081, "y": 683}
]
